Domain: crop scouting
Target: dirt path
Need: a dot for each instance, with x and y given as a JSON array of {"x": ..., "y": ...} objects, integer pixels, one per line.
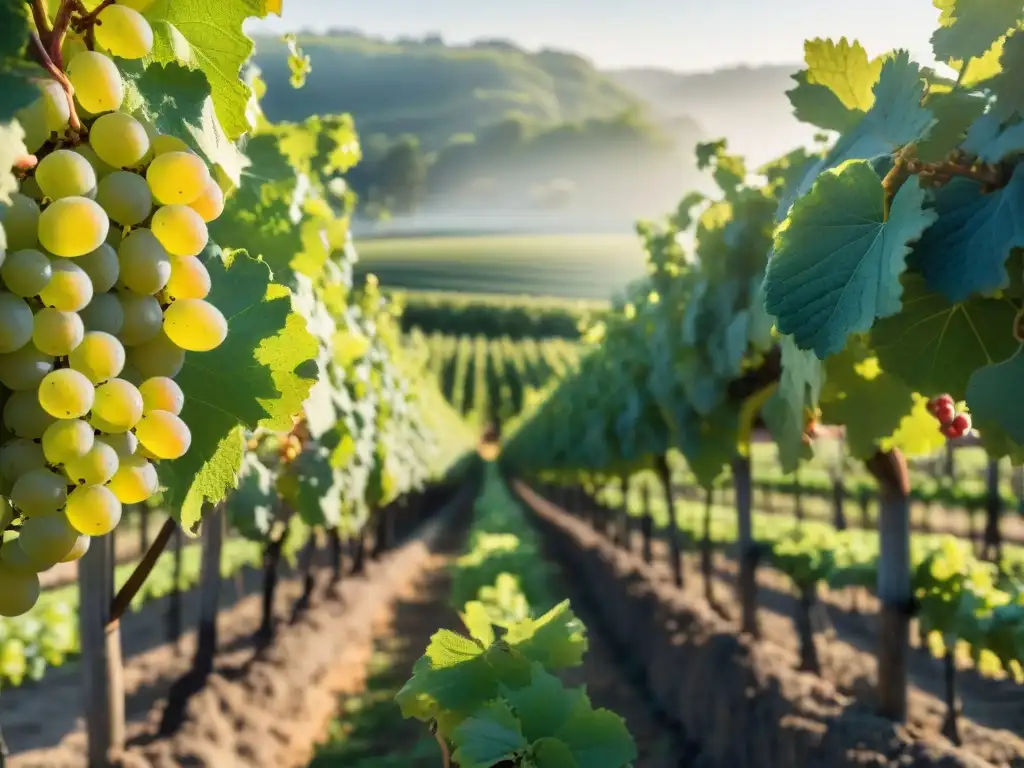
[{"x": 367, "y": 730}]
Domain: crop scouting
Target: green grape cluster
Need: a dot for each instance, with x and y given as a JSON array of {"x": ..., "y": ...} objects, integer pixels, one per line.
[{"x": 102, "y": 291}]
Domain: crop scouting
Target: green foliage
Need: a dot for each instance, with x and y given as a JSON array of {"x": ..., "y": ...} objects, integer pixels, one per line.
[{"x": 492, "y": 695}]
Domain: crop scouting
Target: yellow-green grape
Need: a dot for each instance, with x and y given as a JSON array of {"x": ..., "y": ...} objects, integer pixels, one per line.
[
  {"x": 66, "y": 440},
  {"x": 14, "y": 322},
  {"x": 177, "y": 177},
  {"x": 93, "y": 510},
  {"x": 180, "y": 230},
  {"x": 136, "y": 5},
  {"x": 69, "y": 289},
  {"x": 102, "y": 267},
  {"x": 189, "y": 280},
  {"x": 124, "y": 32},
  {"x": 24, "y": 368},
  {"x": 125, "y": 196},
  {"x": 21, "y": 222},
  {"x": 73, "y": 226},
  {"x": 97, "y": 83},
  {"x": 145, "y": 265},
  {"x": 101, "y": 168},
  {"x": 47, "y": 540},
  {"x": 39, "y": 492},
  {"x": 210, "y": 204},
  {"x": 135, "y": 481},
  {"x": 124, "y": 444},
  {"x": 66, "y": 394},
  {"x": 163, "y": 434},
  {"x": 94, "y": 468},
  {"x": 164, "y": 143},
  {"x": 160, "y": 393},
  {"x": 19, "y": 591},
  {"x": 65, "y": 174},
  {"x": 118, "y": 406},
  {"x": 47, "y": 114},
  {"x": 19, "y": 457},
  {"x": 6, "y": 516},
  {"x": 157, "y": 357},
  {"x": 119, "y": 139},
  {"x": 12, "y": 556},
  {"x": 142, "y": 318},
  {"x": 32, "y": 119},
  {"x": 104, "y": 313},
  {"x": 26, "y": 272},
  {"x": 99, "y": 357},
  {"x": 56, "y": 332},
  {"x": 195, "y": 325},
  {"x": 79, "y": 550},
  {"x": 24, "y": 416}
]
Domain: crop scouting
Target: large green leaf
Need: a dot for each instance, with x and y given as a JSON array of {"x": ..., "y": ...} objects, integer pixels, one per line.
[
  {"x": 970, "y": 27},
  {"x": 259, "y": 376},
  {"x": 835, "y": 90},
  {"x": 994, "y": 395},
  {"x": 934, "y": 345},
  {"x": 209, "y": 37},
  {"x": 965, "y": 251},
  {"x": 799, "y": 388},
  {"x": 16, "y": 88},
  {"x": 598, "y": 738},
  {"x": 838, "y": 258},
  {"x": 489, "y": 737}
]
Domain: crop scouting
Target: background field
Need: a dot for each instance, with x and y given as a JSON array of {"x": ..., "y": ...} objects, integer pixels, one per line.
[{"x": 571, "y": 266}]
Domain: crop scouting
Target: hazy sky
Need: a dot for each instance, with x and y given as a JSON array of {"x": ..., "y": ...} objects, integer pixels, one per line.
[{"x": 679, "y": 34}]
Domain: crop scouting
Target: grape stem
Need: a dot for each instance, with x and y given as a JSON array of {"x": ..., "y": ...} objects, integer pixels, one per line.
[
  {"x": 131, "y": 587},
  {"x": 89, "y": 20},
  {"x": 41, "y": 19},
  {"x": 57, "y": 73}
]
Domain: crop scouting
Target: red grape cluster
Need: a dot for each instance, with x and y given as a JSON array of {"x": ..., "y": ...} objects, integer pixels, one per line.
[{"x": 951, "y": 423}]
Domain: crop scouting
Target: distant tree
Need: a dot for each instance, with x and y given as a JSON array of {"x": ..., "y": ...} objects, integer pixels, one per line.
[{"x": 400, "y": 176}]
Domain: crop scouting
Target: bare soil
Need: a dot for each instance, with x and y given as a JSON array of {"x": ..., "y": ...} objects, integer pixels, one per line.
[{"x": 993, "y": 710}]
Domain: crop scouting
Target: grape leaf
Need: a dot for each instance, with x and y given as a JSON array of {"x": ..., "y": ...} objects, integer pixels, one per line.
[
  {"x": 257, "y": 377},
  {"x": 867, "y": 400},
  {"x": 991, "y": 141},
  {"x": 1005, "y": 84},
  {"x": 478, "y": 622},
  {"x": 177, "y": 101},
  {"x": 799, "y": 387},
  {"x": 16, "y": 88},
  {"x": 835, "y": 90},
  {"x": 598, "y": 738},
  {"x": 552, "y": 753},
  {"x": 209, "y": 37},
  {"x": 955, "y": 111},
  {"x": 453, "y": 672},
  {"x": 896, "y": 118},
  {"x": 487, "y": 738},
  {"x": 250, "y": 507},
  {"x": 994, "y": 396},
  {"x": 557, "y": 639},
  {"x": 543, "y": 706},
  {"x": 919, "y": 343},
  {"x": 320, "y": 493},
  {"x": 837, "y": 258},
  {"x": 970, "y": 27},
  {"x": 917, "y": 434},
  {"x": 965, "y": 250}
]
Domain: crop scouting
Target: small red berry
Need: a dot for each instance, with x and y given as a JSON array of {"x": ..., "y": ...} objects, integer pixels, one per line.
[
  {"x": 945, "y": 412},
  {"x": 962, "y": 423}
]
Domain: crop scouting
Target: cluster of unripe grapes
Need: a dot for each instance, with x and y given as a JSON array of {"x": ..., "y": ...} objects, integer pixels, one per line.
[
  {"x": 951, "y": 423},
  {"x": 101, "y": 294}
]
